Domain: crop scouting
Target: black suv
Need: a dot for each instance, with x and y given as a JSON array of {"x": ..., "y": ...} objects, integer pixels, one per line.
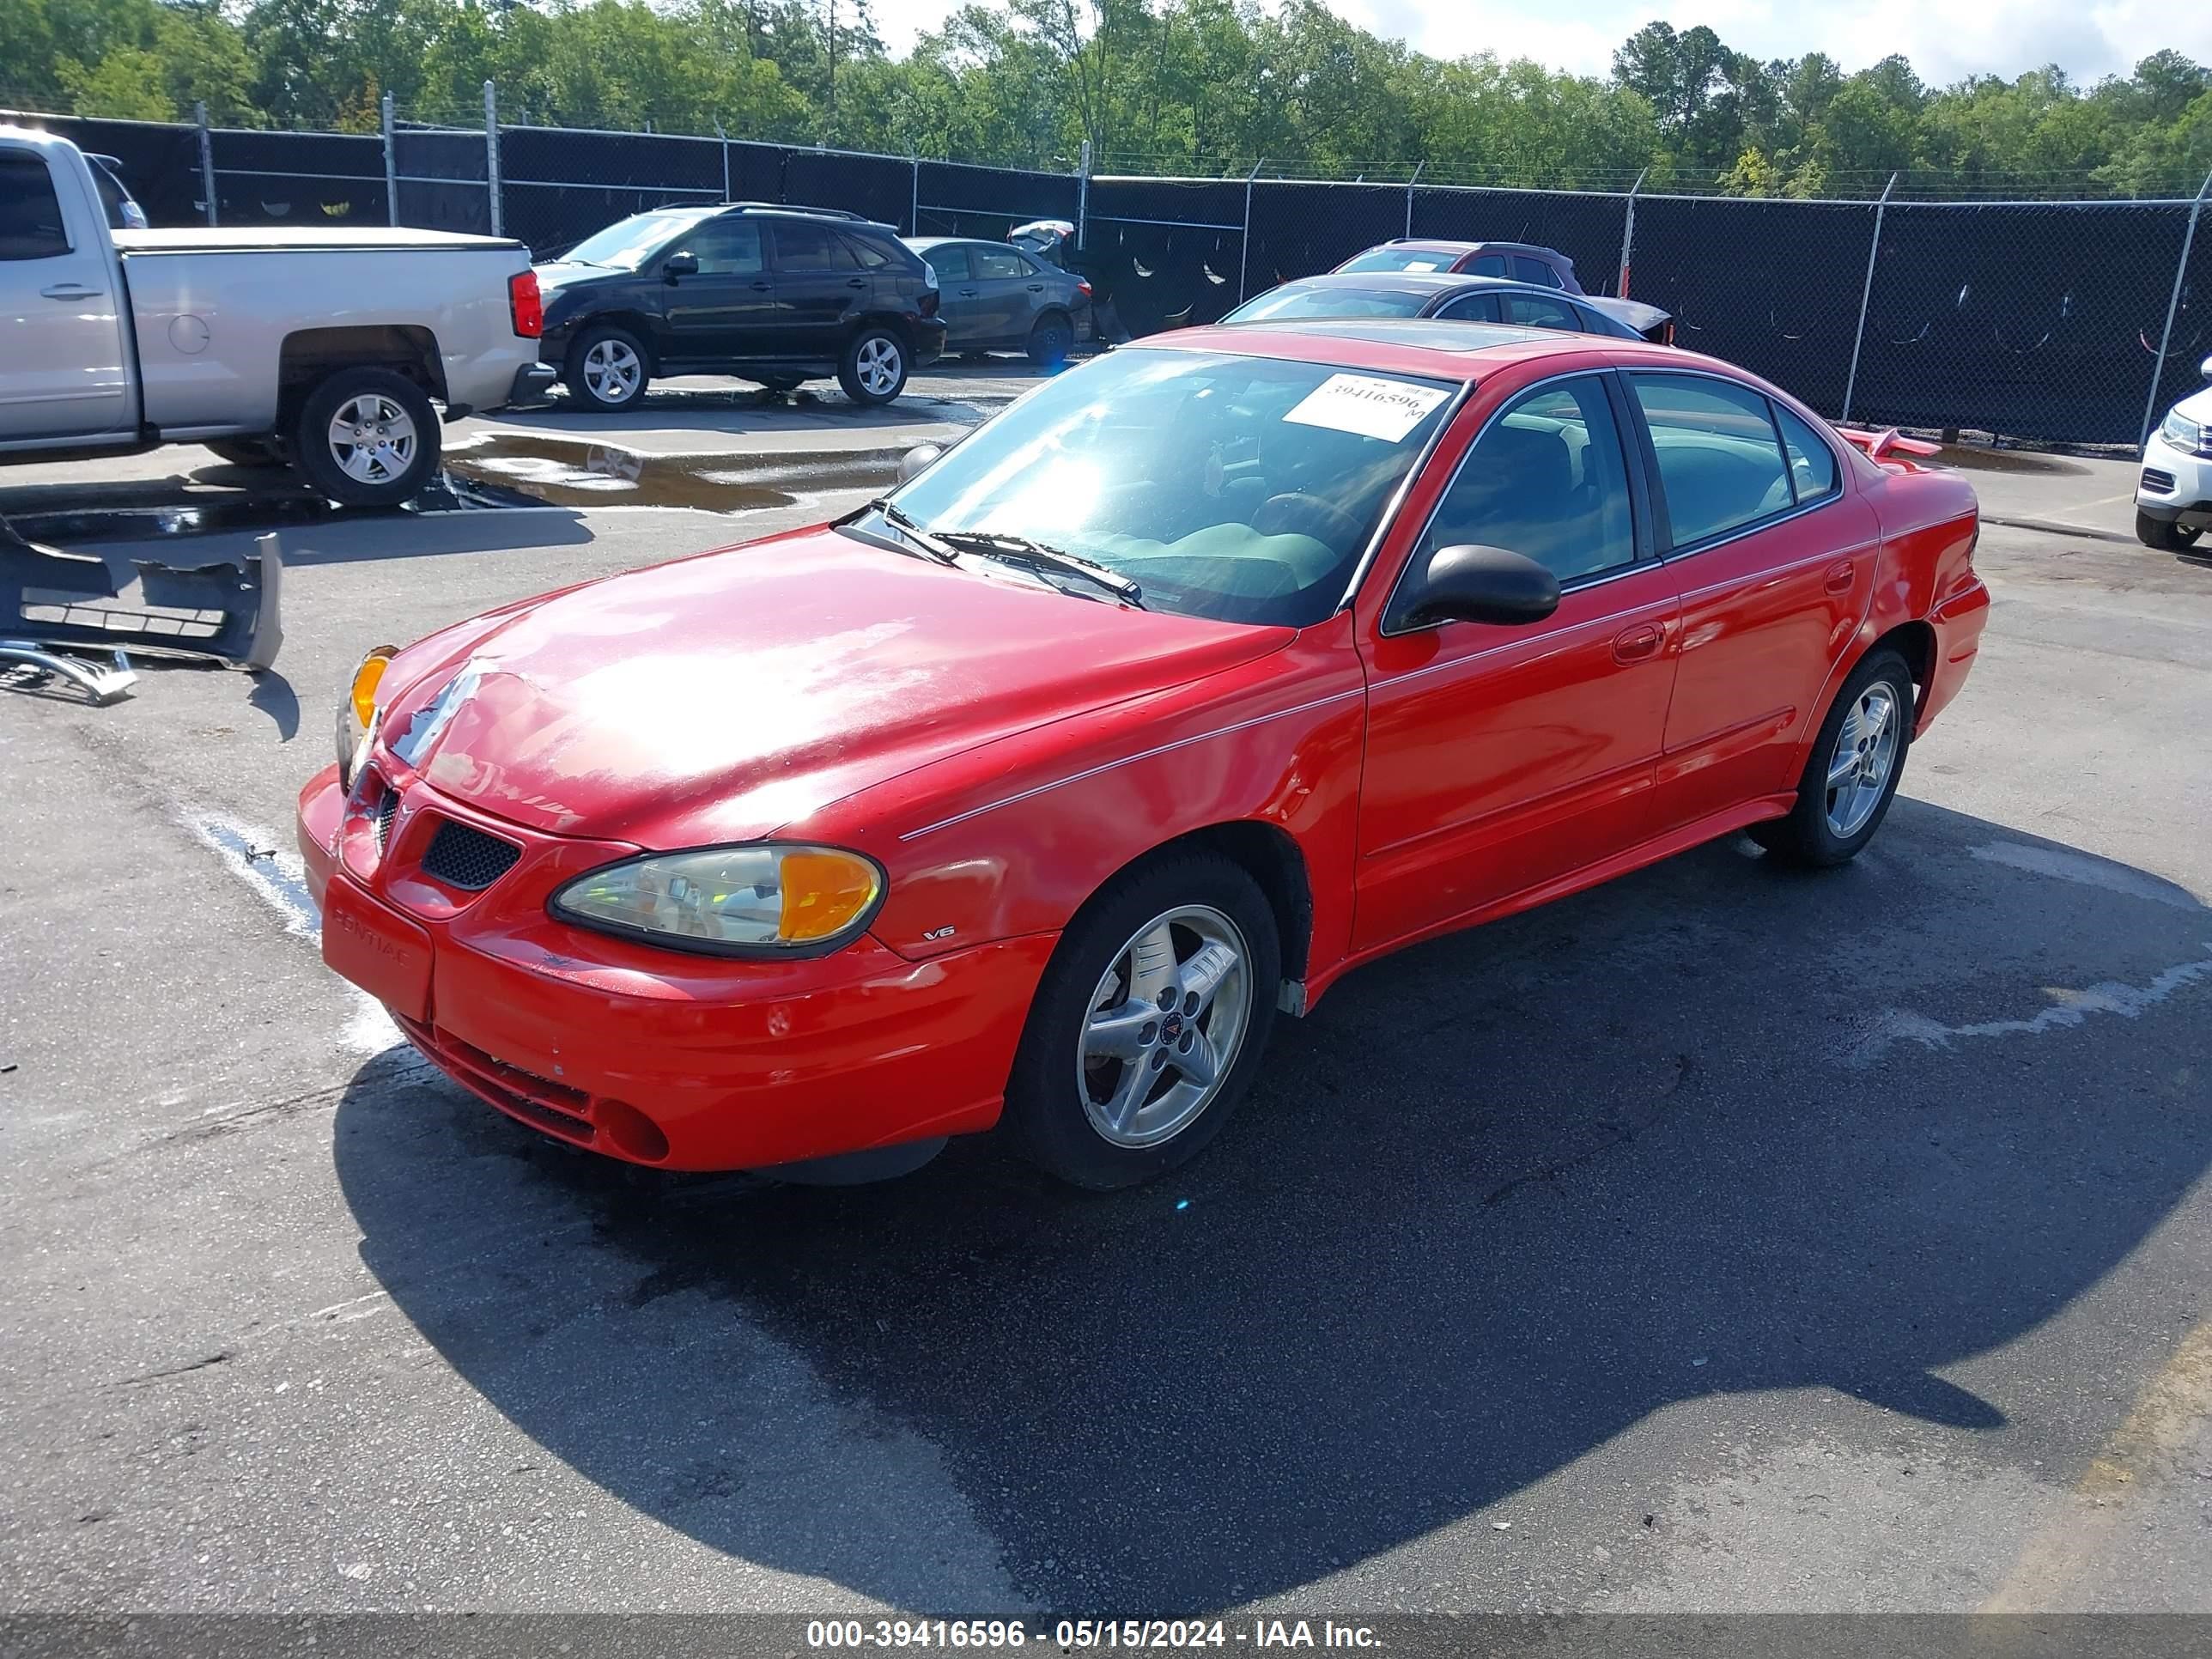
[{"x": 776, "y": 294}]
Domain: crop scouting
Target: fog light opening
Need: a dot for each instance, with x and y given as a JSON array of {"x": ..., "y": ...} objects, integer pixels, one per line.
[{"x": 630, "y": 1131}]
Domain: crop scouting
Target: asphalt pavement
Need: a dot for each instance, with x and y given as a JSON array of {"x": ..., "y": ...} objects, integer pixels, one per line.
[{"x": 1719, "y": 1239}]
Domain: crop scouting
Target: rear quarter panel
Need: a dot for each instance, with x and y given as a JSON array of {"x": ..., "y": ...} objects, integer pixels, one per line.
[
  {"x": 250, "y": 300},
  {"x": 1929, "y": 523}
]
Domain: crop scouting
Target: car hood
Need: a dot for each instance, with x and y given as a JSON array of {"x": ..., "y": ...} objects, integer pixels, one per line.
[
  {"x": 558, "y": 274},
  {"x": 718, "y": 698}
]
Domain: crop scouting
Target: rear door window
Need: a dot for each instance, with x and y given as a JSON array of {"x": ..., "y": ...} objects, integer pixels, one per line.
[
  {"x": 803, "y": 248},
  {"x": 1472, "y": 308},
  {"x": 1488, "y": 264},
  {"x": 1539, "y": 271},
  {"x": 1541, "y": 311},
  {"x": 999, "y": 265},
  {"x": 30, "y": 212},
  {"x": 1720, "y": 461},
  {"x": 1812, "y": 463}
]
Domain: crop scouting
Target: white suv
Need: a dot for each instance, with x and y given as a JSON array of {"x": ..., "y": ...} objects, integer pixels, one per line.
[{"x": 2173, "y": 498}]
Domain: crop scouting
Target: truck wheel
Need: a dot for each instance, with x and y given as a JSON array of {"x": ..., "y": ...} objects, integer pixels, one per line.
[
  {"x": 366, "y": 437},
  {"x": 2163, "y": 534},
  {"x": 1148, "y": 1023},
  {"x": 873, "y": 369},
  {"x": 607, "y": 368},
  {"x": 247, "y": 452}
]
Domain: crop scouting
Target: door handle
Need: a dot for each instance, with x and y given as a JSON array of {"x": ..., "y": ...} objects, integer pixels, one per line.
[
  {"x": 967, "y": 293},
  {"x": 1840, "y": 577},
  {"x": 71, "y": 291},
  {"x": 856, "y": 281},
  {"x": 1037, "y": 287},
  {"x": 1639, "y": 644},
  {"x": 762, "y": 288}
]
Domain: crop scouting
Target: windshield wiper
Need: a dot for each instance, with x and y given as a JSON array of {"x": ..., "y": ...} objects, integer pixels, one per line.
[
  {"x": 1036, "y": 555},
  {"x": 897, "y": 518}
]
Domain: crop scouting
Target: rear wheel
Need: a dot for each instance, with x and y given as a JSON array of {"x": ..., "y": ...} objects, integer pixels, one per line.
[
  {"x": 2164, "y": 534},
  {"x": 1149, "y": 1024},
  {"x": 607, "y": 368},
  {"x": 873, "y": 369},
  {"x": 366, "y": 437},
  {"x": 1851, "y": 776},
  {"x": 1051, "y": 340}
]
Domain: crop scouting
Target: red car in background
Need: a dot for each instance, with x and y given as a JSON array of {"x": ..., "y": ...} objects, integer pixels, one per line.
[{"x": 1204, "y": 674}]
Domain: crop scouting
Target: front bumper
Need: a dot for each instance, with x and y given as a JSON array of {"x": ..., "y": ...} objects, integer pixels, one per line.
[
  {"x": 2175, "y": 485},
  {"x": 657, "y": 1057}
]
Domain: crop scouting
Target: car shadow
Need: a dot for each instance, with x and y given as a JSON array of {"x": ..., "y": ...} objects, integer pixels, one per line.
[{"x": 1711, "y": 1129}]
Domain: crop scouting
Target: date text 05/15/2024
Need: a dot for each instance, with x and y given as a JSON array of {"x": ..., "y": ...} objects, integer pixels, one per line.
[{"x": 1071, "y": 1635}]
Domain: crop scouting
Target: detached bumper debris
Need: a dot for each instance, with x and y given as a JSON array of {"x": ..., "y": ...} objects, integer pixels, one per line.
[
  {"x": 57, "y": 602},
  {"x": 22, "y": 662}
]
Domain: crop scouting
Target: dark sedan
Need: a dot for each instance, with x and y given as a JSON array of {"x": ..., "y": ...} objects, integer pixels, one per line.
[
  {"x": 998, "y": 297},
  {"x": 1458, "y": 299}
]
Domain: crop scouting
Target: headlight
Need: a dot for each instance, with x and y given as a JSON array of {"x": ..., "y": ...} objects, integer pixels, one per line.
[
  {"x": 357, "y": 709},
  {"x": 2184, "y": 433},
  {"x": 765, "y": 899}
]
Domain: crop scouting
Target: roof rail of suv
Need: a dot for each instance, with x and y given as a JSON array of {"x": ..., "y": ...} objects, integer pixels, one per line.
[{"x": 793, "y": 207}]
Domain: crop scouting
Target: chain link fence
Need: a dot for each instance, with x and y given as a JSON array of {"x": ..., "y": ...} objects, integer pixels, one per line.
[{"x": 2059, "y": 321}]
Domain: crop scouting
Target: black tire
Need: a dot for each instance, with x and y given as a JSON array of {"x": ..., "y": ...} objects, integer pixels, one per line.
[
  {"x": 2164, "y": 534},
  {"x": 1806, "y": 837},
  {"x": 1051, "y": 340},
  {"x": 873, "y": 368},
  {"x": 367, "y": 394},
  {"x": 247, "y": 452},
  {"x": 1047, "y": 1111},
  {"x": 616, "y": 347}
]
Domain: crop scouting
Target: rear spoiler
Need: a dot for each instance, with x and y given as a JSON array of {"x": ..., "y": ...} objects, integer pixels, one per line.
[{"x": 1887, "y": 442}]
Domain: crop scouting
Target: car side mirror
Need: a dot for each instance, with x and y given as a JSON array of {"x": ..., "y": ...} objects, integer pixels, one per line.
[
  {"x": 918, "y": 459},
  {"x": 1481, "y": 585},
  {"x": 680, "y": 265},
  {"x": 2205, "y": 369}
]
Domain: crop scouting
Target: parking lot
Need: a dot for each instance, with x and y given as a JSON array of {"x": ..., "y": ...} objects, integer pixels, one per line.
[{"x": 1719, "y": 1239}]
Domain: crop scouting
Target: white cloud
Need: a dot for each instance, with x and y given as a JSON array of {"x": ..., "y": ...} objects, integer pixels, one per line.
[{"x": 1945, "y": 39}]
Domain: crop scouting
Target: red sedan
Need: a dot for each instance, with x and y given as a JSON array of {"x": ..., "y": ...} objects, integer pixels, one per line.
[{"x": 1205, "y": 673}]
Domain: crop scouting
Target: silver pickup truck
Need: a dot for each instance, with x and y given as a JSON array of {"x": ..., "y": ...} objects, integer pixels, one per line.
[{"x": 324, "y": 348}]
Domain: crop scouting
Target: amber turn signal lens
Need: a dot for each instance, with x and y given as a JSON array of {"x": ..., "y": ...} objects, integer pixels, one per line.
[
  {"x": 366, "y": 679},
  {"x": 823, "y": 892}
]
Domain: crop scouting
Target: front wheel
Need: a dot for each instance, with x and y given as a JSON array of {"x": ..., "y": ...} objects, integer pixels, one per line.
[
  {"x": 1148, "y": 1025},
  {"x": 2164, "y": 534},
  {"x": 1851, "y": 776},
  {"x": 366, "y": 437},
  {"x": 873, "y": 369}
]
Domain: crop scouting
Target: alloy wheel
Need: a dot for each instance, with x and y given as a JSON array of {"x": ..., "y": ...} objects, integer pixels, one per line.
[
  {"x": 373, "y": 439},
  {"x": 1165, "y": 1026},
  {"x": 1865, "y": 755},
  {"x": 877, "y": 364},
  {"x": 612, "y": 371}
]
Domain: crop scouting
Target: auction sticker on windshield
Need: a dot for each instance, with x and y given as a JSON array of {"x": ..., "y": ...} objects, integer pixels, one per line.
[{"x": 1367, "y": 406}]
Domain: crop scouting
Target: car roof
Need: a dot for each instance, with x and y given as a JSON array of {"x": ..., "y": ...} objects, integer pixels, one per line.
[
  {"x": 959, "y": 242},
  {"x": 1439, "y": 350},
  {"x": 1445, "y": 244}
]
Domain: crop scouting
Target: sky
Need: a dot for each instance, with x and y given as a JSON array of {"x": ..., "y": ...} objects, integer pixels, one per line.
[{"x": 1945, "y": 39}]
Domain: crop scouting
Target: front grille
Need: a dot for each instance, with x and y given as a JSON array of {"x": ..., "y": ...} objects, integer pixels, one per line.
[
  {"x": 466, "y": 857},
  {"x": 386, "y": 810},
  {"x": 2157, "y": 483}
]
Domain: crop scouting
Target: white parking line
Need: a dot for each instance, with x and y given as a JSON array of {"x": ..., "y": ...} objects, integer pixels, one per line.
[
  {"x": 2068, "y": 1009},
  {"x": 276, "y": 875}
]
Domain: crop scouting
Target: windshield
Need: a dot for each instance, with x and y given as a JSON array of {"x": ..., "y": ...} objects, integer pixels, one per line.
[
  {"x": 1401, "y": 258},
  {"x": 1244, "y": 488},
  {"x": 624, "y": 244},
  {"x": 1327, "y": 300}
]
